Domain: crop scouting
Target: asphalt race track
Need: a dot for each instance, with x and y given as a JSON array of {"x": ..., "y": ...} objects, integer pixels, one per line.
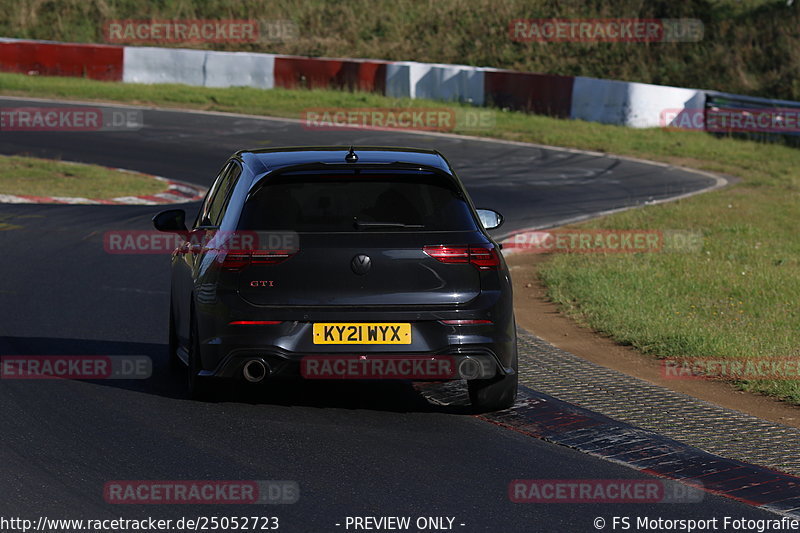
[{"x": 359, "y": 449}]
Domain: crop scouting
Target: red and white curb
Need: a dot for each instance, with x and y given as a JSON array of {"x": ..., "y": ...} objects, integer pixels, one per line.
[{"x": 177, "y": 192}]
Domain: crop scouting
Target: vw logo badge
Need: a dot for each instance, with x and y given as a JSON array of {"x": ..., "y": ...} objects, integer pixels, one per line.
[{"x": 361, "y": 264}]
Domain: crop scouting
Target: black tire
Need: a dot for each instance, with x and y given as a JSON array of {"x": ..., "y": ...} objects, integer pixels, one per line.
[
  {"x": 198, "y": 387},
  {"x": 495, "y": 394}
]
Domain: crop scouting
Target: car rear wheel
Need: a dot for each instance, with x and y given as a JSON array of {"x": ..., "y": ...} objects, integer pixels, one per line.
[
  {"x": 199, "y": 387},
  {"x": 495, "y": 394}
]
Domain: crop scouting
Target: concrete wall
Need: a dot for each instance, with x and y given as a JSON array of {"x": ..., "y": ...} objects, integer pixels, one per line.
[
  {"x": 452, "y": 83},
  {"x": 638, "y": 105}
]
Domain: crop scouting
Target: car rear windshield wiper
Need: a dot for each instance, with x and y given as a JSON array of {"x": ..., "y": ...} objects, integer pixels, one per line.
[{"x": 381, "y": 225}]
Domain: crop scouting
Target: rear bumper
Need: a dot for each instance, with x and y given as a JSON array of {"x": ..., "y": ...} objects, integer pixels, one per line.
[
  {"x": 456, "y": 363},
  {"x": 226, "y": 344}
]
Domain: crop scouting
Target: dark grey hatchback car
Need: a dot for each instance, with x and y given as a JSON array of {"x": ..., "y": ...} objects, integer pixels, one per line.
[{"x": 336, "y": 263}]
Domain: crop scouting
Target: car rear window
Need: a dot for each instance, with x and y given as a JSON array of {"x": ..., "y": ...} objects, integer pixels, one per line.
[{"x": 348, "y": 202}]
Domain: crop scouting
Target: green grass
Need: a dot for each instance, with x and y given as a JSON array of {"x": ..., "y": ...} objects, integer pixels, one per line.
[
  {"x": 749, "y": 46},
  {"x": 43, "y": 177},
  {"x": 274, "y": 102},
  {"x": 735, "y": 298}
]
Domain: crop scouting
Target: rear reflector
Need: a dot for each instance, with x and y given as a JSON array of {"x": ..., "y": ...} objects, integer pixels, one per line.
[
  {"x": 482, "y": 257},
  {"x": 238, "y": 260},
  {"x": 466, "y": 322},
  {"x": 255, "y": 322}
]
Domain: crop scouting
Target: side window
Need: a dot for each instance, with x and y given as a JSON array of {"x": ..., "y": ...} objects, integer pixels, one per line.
[
  {"x": 217, "y": 201},
  {"x": 202, "y": 216},
  {"x": 220, "y": 203}
]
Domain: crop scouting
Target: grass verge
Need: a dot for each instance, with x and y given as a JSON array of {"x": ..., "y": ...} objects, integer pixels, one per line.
[
  {"x": 44, "y": 177},
  {"x": 734, "y": 299}
]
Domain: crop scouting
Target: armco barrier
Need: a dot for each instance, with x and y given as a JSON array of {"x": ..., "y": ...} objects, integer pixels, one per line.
[
  {"x": 790, "y": 132},
  {"x": 409, "y": 79},
  {"x": 542, "y": 94},
  {"x": 97, "y": 62},
  {"x": 637, "y": 105},
  {"x": 312, "y": 73}
]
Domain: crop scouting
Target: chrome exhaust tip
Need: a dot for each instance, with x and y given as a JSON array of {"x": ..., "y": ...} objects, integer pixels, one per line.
[
  {"x": 470, "y": 368},
  {"x": 255, "y": 370}
]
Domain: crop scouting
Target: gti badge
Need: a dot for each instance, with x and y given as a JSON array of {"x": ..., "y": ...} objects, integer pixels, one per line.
[
  {"x": 262, "y": 283},
  {"x": 361, "y": 264}
]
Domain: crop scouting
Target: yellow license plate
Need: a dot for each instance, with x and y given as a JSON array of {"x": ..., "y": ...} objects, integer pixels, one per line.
[{"x": 362, "y": 333}]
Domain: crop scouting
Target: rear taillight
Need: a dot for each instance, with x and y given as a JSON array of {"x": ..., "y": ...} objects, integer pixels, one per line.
[
  {"x": 270, "y": 257},
  {"x": 448, "y": 254},
  {"x": 482, "y": 257},
  {"x": 238, "y": 260}
]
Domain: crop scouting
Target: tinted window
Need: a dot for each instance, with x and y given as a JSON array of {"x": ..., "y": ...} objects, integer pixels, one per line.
[
  {"x": 215, "y": 207},
  {"x": 424, "y": 202},
  {"x": 202, "y": 216}
]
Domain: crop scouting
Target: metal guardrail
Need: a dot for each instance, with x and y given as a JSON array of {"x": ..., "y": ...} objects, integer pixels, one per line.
[{"x": 783, "y": 117}]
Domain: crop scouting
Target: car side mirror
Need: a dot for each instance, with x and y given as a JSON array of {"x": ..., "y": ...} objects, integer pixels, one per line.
[
  {"x": 172, "y": 220},
  {"x": 490, "y": 219}
]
